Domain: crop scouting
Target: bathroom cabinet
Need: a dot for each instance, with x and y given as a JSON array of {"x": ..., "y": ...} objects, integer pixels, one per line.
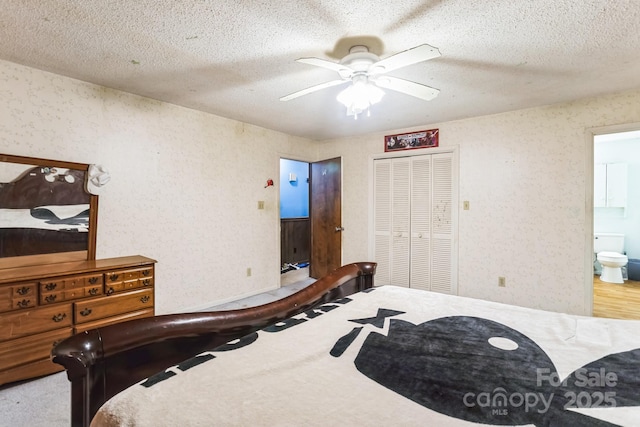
[{"x": 610, "y": 185}]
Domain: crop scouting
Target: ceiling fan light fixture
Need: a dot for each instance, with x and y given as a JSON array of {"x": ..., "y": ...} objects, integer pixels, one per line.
[
  {"x": 359, "y": 97},
  {"x": 366, "y": 73}
]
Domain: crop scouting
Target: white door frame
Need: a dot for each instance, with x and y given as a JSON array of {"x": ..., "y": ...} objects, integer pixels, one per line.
[
  {"x": 456, "y": 191},
  {"x": 590, "y": 133}
]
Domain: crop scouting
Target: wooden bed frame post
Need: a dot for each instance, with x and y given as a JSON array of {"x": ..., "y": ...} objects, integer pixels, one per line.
[{"x": 102, "y": 362}]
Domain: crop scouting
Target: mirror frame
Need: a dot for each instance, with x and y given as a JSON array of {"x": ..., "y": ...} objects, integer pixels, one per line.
[{"x": 51, "y": 258}]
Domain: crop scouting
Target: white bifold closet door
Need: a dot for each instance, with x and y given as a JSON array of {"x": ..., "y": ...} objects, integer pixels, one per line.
[{"x": 413, "y": 222}]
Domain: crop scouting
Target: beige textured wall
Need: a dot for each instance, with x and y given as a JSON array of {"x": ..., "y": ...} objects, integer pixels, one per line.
[
  {"x": 525, "y": 174},
  {"x": 184, "y": 188},
  {"x": 186, "y": 184}
]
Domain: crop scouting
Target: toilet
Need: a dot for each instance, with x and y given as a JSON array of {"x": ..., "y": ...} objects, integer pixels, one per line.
[{"x": 609, "y": 248}]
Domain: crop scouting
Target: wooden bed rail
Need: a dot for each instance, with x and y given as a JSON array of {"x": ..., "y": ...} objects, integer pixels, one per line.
[{"x": 104, "y": 361}]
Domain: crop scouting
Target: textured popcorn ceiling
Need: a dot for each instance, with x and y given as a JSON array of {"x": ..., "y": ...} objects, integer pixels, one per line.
[{"x": 236, "y": 58}]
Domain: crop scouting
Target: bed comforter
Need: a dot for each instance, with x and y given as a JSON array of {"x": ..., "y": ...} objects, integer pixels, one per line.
[{"x": 402, "y": 357}]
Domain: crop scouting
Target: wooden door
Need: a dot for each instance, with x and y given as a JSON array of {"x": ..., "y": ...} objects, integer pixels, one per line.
[{"x": 325, "y": 210}]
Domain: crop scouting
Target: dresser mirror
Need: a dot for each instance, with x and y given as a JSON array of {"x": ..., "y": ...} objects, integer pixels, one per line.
[{"x": 46, "y": 215}]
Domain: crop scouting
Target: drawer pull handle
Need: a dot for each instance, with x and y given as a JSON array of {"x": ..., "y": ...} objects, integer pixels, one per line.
[
  {"x": 114, "y": 277},
  {"x": 93, "y": 280},
  {"x": 146, "y": 282},
  {"x": 24, "y": 303},
  {"x": 93, "y": 291},
  {"x": 23, "y": 290},
  {"x": 50, "y": 298},
  {"x": 50, "y": 286},
  {"x": 145, "y": 299},
  {"x": 86, "y": 312},
  {"x": 110, "y": 291},
  {"x": 146, "y": 272},
  {"x": 59, "y": 317}
]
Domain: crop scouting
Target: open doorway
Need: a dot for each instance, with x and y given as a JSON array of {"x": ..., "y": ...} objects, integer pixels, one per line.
[
  {"x": 311, "y": 233},
  {"x": 616, "y": 214},
  {"x": 295, "y": 223}
]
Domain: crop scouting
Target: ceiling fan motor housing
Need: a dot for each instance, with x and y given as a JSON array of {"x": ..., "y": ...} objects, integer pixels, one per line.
[{"x": 359, "y": 59}]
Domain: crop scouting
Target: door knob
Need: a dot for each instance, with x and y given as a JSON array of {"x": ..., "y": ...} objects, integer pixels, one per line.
[{"x": 339, "y": 228}]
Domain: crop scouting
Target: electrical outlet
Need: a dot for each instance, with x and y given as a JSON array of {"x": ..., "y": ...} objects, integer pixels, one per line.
[
  {"x": 502, "y": 282},
  {"x": 248, "y": 271}
]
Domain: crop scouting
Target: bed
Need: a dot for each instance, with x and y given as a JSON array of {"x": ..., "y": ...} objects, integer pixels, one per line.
[
  {"x": 363, "y": 355},
  {"x": 102, "y": 362}
]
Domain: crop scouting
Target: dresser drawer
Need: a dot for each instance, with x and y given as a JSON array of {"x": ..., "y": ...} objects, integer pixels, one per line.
[
  {"x": 121, "y": 286},
  {"x": 51, "y": 285},
  {"x": 51, "y": 297},
  {"x": 25, "y": 290},
  {"x": 92, "y": 291},
  {"x": 39, "y": 305},
  {"x": 99, "y": 308},
  {"x": 30, "y": 348},
  {"x": 25, "y": 322},
  {"x": 24, "y": 302},
  {"x": 57, "y": 284},
  {"x": 125, "y": 280},
  {"x": 24, "y": 295},
  {"x": 114, "y": 319}
]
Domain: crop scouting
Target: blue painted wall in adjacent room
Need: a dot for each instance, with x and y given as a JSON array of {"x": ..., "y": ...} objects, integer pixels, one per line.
[{"x": 294, "y": 196}]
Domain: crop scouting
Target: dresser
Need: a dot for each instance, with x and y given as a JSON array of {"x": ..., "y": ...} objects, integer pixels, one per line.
[{"x": 41, "y": 305}]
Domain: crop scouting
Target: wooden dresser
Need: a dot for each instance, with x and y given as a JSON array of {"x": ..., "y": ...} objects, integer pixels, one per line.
[{"x": 41, "y": 305}]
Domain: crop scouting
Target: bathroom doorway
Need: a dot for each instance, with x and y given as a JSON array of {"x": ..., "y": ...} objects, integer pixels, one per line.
[{"x": 616, "y": 210}]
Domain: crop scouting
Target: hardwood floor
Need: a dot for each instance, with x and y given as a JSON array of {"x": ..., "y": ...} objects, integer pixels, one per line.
[{"x": 618, "y": 301}]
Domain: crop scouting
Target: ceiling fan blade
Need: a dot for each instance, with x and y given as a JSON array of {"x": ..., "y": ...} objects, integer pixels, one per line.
[
  {"x": 344, "y": 71},
  {"x": 407, "y": 87},
  {"x": 411, "y": 56},
  {"x": 313, "y": 89}
]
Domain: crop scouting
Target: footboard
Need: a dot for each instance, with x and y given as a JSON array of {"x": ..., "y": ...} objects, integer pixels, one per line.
[{"x": 102, "y": 362}]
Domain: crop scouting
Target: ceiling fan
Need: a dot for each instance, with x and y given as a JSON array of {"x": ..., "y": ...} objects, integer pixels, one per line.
[{"x": 367, "y": 73}]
